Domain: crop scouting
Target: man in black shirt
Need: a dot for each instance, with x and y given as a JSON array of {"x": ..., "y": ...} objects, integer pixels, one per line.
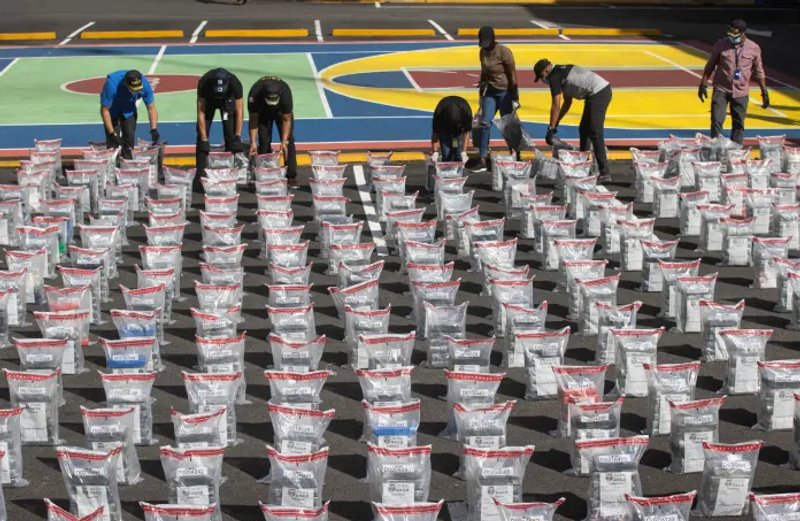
[
  {"x": 220, "y": 90},
  {"x": 270, "y": 101},
  {"x": 452, "y": 124}
]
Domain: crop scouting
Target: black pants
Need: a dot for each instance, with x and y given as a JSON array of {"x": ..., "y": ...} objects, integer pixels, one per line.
[
  {"x": 265, "y": 125},
  {"x": 127, "y": 126},
  {"x": 228, "y": 117},
  {"x": 592, "y": 127},
  {"x": 719, "y": 106}
]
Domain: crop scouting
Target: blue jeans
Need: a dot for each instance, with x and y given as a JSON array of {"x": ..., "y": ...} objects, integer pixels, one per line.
[
  {"x": 448, "y": 151},
  {"x": 491, "y": 102}
]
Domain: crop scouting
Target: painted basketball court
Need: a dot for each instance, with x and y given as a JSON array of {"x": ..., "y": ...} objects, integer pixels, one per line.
[{"x": 365, "y": 93}]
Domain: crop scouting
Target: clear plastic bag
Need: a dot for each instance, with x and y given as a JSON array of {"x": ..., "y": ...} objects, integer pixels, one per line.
[
  {"x": 223, "y": 355},
  {"x": 298, "y": 430},
  {"x": 635, "y": 348},
  {"x": 613, "y": 474},
  {"x": 388, "y": 351},
  {"x": 617, "y": 317},
  {"x": 385, "y": 386},
  {"x": 289, "y": 255},
  {"x": 736, "y": 241},
  {"x": 279, "y": 513},
  {"x": 693, "y": 423},
  {"x": 365, "y": 322},
  {"x": 470, "y": 390},
  {"x": 132, "y": 355},
  {"x": 517, "y": 292},
  {"x": 767, "y": 507},
  {"x": 281, "y": 275},
  {"x": 15, "y": 283},
  {"x": 745, "y": 348},
  {"x": 296, "y": 389},
  {"x": 91, "y": 481},
  {"x": 296, "y": 357},
  {"x": 416, "y": 512},
  {"x": 470, "y": 355},
  {"x": 294, "y": 324},
  {"x": 399, "y": 476},
  {"x": 665, "y": 196},
  {"x": 575, "y": 271},
  {"x": 690, "y": 291},
  {"x": 297, "y": 479},
  {"x": 11, "y": 464},
  {"x": 107, "y": 429},
  {"x": 551, "y": 231},
  {"x": 609, "y": 225},
  {"x": 193, "y": 476},
  {"x": 38, "y": 395},
  {"x": 758, "y": 205},
  {"x": 786, "y": 223},
  {"x": 765, "y": 251},
  {"x": 780, "y": 381},
  {"x": 676, "y": 507},
  {"x": 353, "y": 275},
  {"x": 56, "y": 513},
  {"x": 127, "y": 390},
  {"x": 708, "y": 175},
  {"x": 35, "y": 266},
  {"x": 591, "y": 421},
  {"x": 577, "y": 384},
  {"x": 494, "y": 475},
  {"x": 593, "y": 292},
  {"x": 364, "y": 295},
  {"x": 351, "y": 254},
  {"x": 528, "y": 511},
  {"x": 631, "y": 235},
  {"x": 521, "y": 319},
  {"x": 210, "y": 392},
  {"x": 689, "y": 221},
  {"x": 392, "y": 426},
  {"x": 728, "y": 475},
  {"x": 667, "y": 383},
  {"x": 670, "y": 271},
  {"x": 177, "y": 512},
  {"x": 482, "y": 427},
  {"x": 442, "y": 321},
  {"x": 72, "y": 325},
  {"x": 542, "y": 351},
  {"x": 199, "y": 430},
  {"x": 224, "y": 257}
]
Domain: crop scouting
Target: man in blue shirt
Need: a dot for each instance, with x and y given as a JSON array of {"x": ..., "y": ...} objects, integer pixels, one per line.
[{"x": 122, "y": 90}]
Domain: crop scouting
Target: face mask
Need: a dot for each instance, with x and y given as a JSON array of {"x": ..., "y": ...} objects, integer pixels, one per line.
[
  {"x": 546, "y": 80},
  {"x": 735, "y": 40}
]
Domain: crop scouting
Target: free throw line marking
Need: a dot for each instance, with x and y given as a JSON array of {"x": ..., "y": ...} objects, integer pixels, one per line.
[
  {"x": 320, "y": 90},
  {"x": 11, "y": 64},
  {"x": 369, "y": 211}
]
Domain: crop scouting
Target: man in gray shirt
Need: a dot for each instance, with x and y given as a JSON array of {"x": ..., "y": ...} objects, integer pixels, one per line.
[{"x": 568, "y": 82}]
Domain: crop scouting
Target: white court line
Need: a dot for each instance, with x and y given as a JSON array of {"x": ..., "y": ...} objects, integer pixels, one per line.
[
  {"x": 75, "y": 33},
  {"x": 378, "y": 5},
  {"x": 318, "y": 30},
  {"x": 411, "y": 79},
  {"x": 441, "y": 31},
  {"x": 369, "y": 211},
  {"x": 544, "y": 24},
  {"x": 196, "y": 32},
  {"x": 158, "y": 59},
  {"x": 320, "y": 89},
  {"x": 11, "y": 64}
]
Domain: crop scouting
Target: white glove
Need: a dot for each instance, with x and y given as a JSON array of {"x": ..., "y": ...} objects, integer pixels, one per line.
[
  {"x": 515, "y": 105},
  {"x": 435, "y": 157},
  {"x": 464, "y": 157}
]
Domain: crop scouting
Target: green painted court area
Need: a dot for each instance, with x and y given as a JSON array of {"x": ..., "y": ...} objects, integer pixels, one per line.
[{"x": 34, "y": 88}]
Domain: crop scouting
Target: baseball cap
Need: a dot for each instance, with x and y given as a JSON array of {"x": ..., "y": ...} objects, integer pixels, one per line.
[
  {"x": 133, "y": 80},
  {"x": 221, "y": 82},
  {"x": 272, "y": 93},
  {"x": 539, "y": 68},
  {"x": 486, "y": 36},
  {"x": 737, "y": 26}
]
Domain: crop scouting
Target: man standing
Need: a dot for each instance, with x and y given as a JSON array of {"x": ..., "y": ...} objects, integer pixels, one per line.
[
  {"x": 220, "y": 90},
  {"x": 497, "y": 88},
  {"x": 734, "y": 60},
  {"x": 270, "y": 101},
  {"x": 452, "y": 124},
  {"x": 568, "y": 82},
  {"x": 118, "y": 98}
]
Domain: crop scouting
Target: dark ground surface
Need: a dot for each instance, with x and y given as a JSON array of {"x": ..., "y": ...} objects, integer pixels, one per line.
[{"x": 530, "y": 422}]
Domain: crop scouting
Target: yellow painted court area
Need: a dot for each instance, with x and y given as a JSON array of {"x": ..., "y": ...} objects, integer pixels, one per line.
[
  {"x": 380, "y": 33},
  {"x": 130, "y": 35},
  {"x": 566, "y": 31},
  {"x": 518, "y": 31},
  {"x": 631, "y": 108},
  {"x": 10, "y": 37},
  {"x": 256, "y": 33}
]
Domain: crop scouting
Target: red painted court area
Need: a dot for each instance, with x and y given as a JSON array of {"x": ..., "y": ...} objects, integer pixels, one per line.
[
  {"x": 619, "y": 78},
  {"x": 161, "y": 83}
]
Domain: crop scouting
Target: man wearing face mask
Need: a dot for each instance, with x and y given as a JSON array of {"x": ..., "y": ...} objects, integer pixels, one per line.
[
  {"x": 568, "y": 82},
  {"x": 734, "y": 61},
  {"x": 270, "y": 104}
]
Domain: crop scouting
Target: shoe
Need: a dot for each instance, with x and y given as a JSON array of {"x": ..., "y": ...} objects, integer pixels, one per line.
[
  {"x": 605, "y": 178},
  {"x": 292, "y": 183},
  {"x": 471, "y": 162},
  {"x": 482, "y": 166}
]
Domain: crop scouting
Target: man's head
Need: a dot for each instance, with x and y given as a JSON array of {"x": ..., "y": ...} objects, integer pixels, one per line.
[
  {"x": 486, "y": 37},
  {"x": 542, "y": 70},
  {"x": 736, "y": 31},
  {"x": 133, "y": 80},
  {"x": 272, "y": 92},
  {"x": 220, "y": 83}
]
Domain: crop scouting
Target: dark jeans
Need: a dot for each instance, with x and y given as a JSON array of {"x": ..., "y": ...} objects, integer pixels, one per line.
[
  {"x": 448, "y": 151},
  {"x": 719, "y": 107},
  {"x": 491, "y": 102},
  {"x": 228, "y": 117},
  {"x": 592, "y": 127},
  {"x": 127, "y": 127},
  {"x": 265, "y": 143}
]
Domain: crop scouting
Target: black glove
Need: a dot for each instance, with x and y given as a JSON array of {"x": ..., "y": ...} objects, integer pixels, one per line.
[
  {"x": 113, "y": 140},
  {"x": 702, "y": 92},
  {"x": 204, "y": 147},
  {"x": 237, "y": 146},
  {"x": 515, "y": 93},
  {"x": 764, "y": 99},
  {"x": 550, "y": 137},
  {"x": 154, "y": 135}
]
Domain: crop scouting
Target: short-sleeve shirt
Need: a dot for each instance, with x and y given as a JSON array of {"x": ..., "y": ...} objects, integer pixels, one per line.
[
  {"x": 205, "y": 86},
  {"x": 575, "y": 82},
  {"x": 119, "y": 100},
  {"x": 452, "y": 117},
  {"x": 257, "y": 103},
  {"x": 494, "y": 64}
]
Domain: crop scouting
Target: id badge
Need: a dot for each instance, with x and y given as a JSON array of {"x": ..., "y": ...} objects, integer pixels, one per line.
[
  {"x": 454, "y": 143},
  {"x": 224, "y": 115},
  {"x": 737, "y": 74}
]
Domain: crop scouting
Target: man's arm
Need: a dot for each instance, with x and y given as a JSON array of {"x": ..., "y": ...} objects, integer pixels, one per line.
[
  {"x": 565, "y": 106},
  {"x": 201, "y": 119},
  {"x": 152, "y": 115},
  {"x": 711, "y": 65},
  {"x": 758, "y": 69},
  {"x": 105, "y": 114},
  {"x": 239, "y": 109},
  {"x": 510, "y": 69},
  {"x": 434, "y": 142},
  {"x": 253, "y": 127},
  {"x": 286, "y": 131},
  {"x": 555, "y": 110}
]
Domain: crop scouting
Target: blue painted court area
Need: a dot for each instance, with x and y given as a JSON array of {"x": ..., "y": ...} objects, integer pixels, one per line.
[{"x": 346, "y": 92}]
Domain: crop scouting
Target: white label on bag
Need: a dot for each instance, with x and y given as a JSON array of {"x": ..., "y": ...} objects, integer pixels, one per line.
[
  {"x": 502, "y": 493},
  {"x": 613, "y": 487},
  {"x": 746, "y": 374},
  {"x": 693, "y": 457},
  {"x": 33, "y": 422},
  {"x": 664, "y": 412},
  {"x": 5, "y": 464},
  {"x": 298, "y": 497},
  {"x": 783, "y": 409},
  {"x": 473, "y": 393},
  {"x": 89, "y": 497},
  {"x": 398, "y": 492},
  {"x": 545, "y": 378},
  {"x": 484, "y": 442},
  {"x": 68, "y": 364},
  {"x": 731, "y": 496},
  {"x": 12, "y": 311},
  {"x": 296, "y": 447},
  {"x": 196, "y": 495},
  {"x": 393, "y": 442}
]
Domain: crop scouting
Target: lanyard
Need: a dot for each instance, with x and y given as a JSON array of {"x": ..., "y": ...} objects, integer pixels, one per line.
[{"x": 737, "y": 51}]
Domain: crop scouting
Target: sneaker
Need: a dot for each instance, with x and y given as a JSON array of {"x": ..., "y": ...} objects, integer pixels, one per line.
[
  {"x": 292, "y": 183},
  {"x": 604, "y": 178},
  {"x": 482, "y": 166}
]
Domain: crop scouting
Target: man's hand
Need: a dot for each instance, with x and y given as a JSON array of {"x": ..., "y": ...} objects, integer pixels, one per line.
[
  {"x": 435, "y": 157},
  {"x": 154, "y": 135},
  {"x": 285, "y": 151},
  {"x": 237, "y": 146},
  {"x": 550, "y": 136},
  {"x": 253, "y": 149},
  {"x": 204, "y": 147},
  {"x": 515, "y": 105},
  {"x": 702, "y": 93},
  {"x": 113, "y": 140},
  {"x": 764, "y": 99}
]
